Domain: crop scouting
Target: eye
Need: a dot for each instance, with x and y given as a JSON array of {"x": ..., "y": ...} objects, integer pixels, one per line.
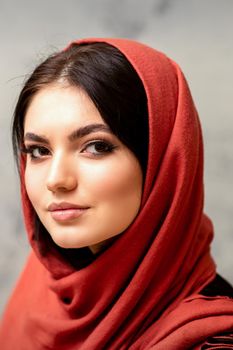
[
  {"x": 99, "y": 147},
  {"x": 36, "y": 152}
]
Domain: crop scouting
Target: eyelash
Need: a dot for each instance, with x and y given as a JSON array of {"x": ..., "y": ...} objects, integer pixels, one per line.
[
  {"x": 106, "y": 146},
  {"x": 30, "y": 149}
]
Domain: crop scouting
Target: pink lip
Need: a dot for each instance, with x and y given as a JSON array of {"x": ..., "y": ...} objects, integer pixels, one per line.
[{"x": 65, "y": 211}]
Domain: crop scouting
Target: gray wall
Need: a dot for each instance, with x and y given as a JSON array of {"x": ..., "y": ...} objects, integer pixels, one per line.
[{"x": 196, "y": 33}]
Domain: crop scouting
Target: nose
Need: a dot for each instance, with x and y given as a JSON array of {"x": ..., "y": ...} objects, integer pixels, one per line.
[{"x": 61, "y": 176}]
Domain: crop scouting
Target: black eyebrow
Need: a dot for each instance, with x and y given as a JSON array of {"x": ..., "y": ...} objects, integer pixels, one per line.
[
  {"x": 30, "y": 136},
  {"x": 88, "y": 129},
  {"x": 79, "y": 133}
]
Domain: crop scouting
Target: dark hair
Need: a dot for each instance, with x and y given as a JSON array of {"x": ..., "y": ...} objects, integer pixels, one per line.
[{"x": 111, "y": 82}]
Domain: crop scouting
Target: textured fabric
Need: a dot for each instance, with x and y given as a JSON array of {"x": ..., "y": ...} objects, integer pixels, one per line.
[
  {"x": 219, "y": 286},
  {"x": 143, "y": 291}
]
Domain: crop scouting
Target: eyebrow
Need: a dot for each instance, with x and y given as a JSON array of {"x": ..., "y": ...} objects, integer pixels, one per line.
[
  {"x": 76, "y": 134},
  {"x": 88, "y": 129}
]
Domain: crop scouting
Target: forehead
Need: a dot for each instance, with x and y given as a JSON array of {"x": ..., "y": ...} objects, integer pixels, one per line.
[{"x": 58, "y": 107}]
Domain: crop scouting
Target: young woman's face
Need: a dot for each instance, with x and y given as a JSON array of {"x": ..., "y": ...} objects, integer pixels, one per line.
[{"x": 84, "y": 184}]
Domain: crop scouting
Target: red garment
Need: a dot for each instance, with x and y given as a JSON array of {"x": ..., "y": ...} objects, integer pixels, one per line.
[{"x": 142, "y": 292}]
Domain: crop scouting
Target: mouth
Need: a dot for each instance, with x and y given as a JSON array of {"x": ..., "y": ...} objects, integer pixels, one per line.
[{"x": 66, "y": 211}]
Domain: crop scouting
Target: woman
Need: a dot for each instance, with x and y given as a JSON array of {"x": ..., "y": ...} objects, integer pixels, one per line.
[{"x": 111, "y": 163}]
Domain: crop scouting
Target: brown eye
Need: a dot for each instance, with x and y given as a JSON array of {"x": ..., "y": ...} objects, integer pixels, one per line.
[
  {"x": 36, "y": 152},
  {"x": 99, "y": 147}
]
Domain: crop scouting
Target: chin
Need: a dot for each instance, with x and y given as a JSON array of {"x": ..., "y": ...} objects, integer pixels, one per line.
[
  {"x": 65, "y": 242},
  {"x": 66, "y": 245}
]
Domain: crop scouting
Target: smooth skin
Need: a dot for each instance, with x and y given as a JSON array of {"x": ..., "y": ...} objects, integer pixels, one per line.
[{"x": 85, "y": 166}]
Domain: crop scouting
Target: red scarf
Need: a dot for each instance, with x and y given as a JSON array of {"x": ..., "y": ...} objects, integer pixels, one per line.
[{"x": 142, "y": 292}]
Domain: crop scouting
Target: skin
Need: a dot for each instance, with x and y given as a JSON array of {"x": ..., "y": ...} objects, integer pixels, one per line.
[{"x": 59, "y": 169}]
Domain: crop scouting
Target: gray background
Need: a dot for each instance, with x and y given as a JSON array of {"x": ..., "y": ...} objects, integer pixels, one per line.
[{"x": 196, "y": 33}]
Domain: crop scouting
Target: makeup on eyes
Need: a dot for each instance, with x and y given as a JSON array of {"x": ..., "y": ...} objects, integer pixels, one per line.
[
  {"x": 31, "y": 150},
  {"x": 100, "y": 147}
]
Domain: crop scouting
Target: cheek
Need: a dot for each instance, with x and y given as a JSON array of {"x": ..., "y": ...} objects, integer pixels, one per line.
[
  {"x": 114, "y": 181},
  {"x": 33, "y": 185}
]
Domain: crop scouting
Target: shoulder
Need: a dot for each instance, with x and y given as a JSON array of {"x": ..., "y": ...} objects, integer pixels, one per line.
[
  {"x": 219, "y": 286},
  {"x": 220, "y": 341}
]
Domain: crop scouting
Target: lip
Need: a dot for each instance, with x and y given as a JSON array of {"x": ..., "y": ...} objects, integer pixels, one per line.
[{"x": 66, "y": 211}]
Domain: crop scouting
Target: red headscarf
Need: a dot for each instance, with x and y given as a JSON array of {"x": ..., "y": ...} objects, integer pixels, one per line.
[{"x": 143, "y": 291}]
